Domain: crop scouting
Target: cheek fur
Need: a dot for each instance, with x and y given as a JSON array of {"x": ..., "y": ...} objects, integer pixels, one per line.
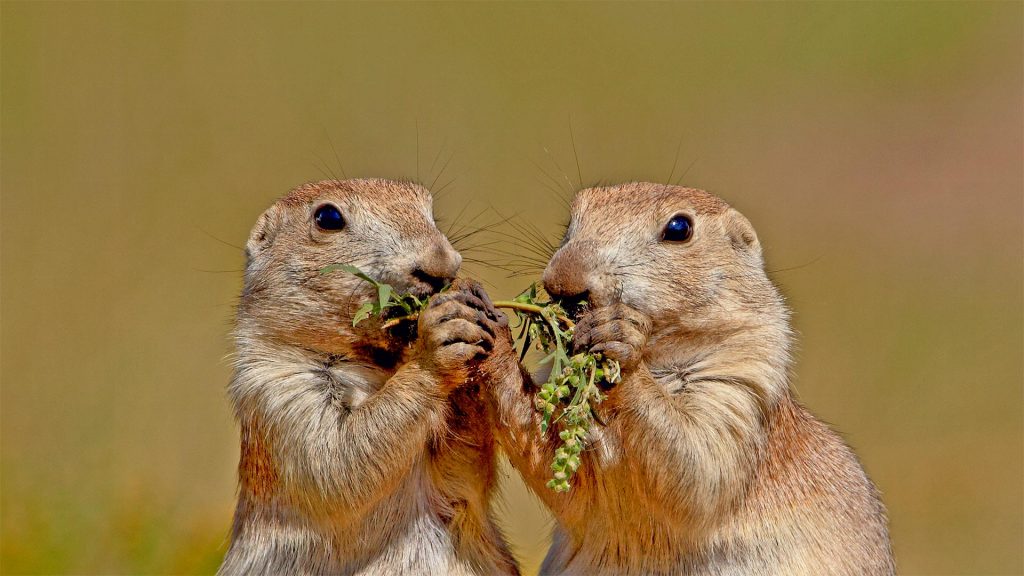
[
  {"x": 670, "y": 286},
  {"x": 641, "y": 294}
]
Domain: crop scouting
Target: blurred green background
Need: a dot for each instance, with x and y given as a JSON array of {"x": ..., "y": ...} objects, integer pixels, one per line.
[{"x": 877, "y": 148}]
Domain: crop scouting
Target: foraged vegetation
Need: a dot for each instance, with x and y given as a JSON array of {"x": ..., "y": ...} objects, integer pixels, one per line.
[{"x": 573, "y": 388}]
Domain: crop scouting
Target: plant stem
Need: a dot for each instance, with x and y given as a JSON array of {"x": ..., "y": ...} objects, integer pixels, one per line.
[
  {"x": 513, "y": 305},
  {"x": 530, "y": 308},
  {"x": 510, "y": 304},
  {"x": 396, "y": 321}
]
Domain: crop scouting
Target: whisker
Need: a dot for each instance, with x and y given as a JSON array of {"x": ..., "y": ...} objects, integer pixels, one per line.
[
  {"x": 534, "y": 237},
  {"x": 465, "y": 230},
  {"x": 437, "y": 192},
  {"x": 322, "y": 167},
  {"x": 557, "y": 185},
  {"x": 540, "y": 253},
  {"x": 676, "y": 161},
  {"x": 797, "y": 267},
  {"x": 458, "y": 216},
  {"x": 439, "y": 174},
  {"x": 474, "y": 247},
  {"x": 540, "y": 248},
  {"x": 224, "y": 242},
  {"x": 559, "y": 168},
  {"x": 438, "y": 155},
  {"x": 572, "y": 137},
  {"x": 337, "y": 158},
  {"x": 687, "y": 171},
  {"x": 556, "y": 192}
]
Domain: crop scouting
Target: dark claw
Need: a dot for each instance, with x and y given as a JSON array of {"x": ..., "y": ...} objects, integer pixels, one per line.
[
  {"x": 471, "y": 300},
  {"x": 484, "y": 298},
  {"x": 613, "y": 350},
  {"x": 482, "y": 322},
  {"x": 580, "y": 343}
]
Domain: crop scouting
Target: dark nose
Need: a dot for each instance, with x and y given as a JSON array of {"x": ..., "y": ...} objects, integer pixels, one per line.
[
  {"x": 565, "y": 292},
  {"x": 435, "y": 282},
  {"x": 439, "y": 268},
  {"x": 566, "y": 279}
]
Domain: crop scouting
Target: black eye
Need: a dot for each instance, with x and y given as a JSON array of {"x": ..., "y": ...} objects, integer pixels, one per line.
[
  {"x": 678, "y": 229},
  {"x": 328, "y": 218}
]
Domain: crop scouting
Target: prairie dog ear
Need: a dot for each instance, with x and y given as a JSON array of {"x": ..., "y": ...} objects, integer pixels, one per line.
[
  {"x": 741, "y": 233},
  {"x": 263, "y": 233}
]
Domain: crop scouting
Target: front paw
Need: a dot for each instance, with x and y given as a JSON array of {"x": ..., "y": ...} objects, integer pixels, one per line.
[
  {"x": 617, "y": 332},
  {"x": 455, "y": 330}
]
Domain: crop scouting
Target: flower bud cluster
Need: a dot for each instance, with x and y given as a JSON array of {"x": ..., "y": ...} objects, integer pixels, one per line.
[{"x": 567, "y": 400}]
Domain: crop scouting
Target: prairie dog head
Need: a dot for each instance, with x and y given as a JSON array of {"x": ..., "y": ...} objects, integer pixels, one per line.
[
  {"x": 385, "y": 228},
  {"x": 681, "y": 256}
]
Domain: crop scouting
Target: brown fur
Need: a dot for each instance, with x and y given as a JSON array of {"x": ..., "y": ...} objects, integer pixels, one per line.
[
  {"x": 357, "y": 454},
  {"x": 255, "y": 464},
  {"x": 707, "y": 463}
]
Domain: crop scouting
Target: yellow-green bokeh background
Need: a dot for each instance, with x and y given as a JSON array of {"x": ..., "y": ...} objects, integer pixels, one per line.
[{"x": 877, "y": 148}]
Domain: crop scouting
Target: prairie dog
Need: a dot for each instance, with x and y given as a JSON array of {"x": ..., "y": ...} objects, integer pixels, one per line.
[
  {"x": 360, "y": 454},
  {"x": 706, "y": 464}
]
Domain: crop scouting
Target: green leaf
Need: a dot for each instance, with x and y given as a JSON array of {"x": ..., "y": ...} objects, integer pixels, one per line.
[
  {"x": 384, "y": 295},
  {"x": 363, "y": 313},
  {"x": 409, "y": 304}
]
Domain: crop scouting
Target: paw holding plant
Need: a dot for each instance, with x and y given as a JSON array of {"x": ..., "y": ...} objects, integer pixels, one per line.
[{"x": 461, "y": 323}]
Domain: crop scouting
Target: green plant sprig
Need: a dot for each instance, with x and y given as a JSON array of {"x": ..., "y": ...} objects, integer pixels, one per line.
[
  {"x": 387, "y": 298},
  {"x": 572, "y": 390},
  {"x": 566, "y": 400}
]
